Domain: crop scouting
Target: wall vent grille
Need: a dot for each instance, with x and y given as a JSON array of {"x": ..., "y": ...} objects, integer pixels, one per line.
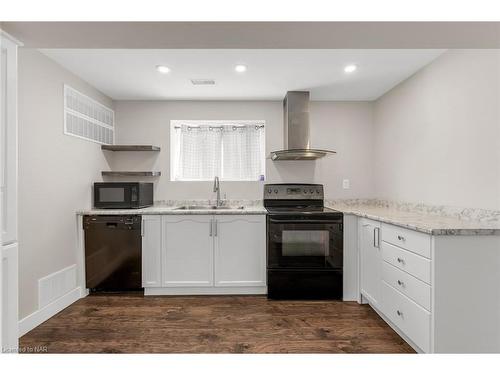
[
  {"x": 56, "y": 285},
  {"x": 86, "y": 118}
]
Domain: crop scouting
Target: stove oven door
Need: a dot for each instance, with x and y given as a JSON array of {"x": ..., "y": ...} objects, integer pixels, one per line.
[{"x": 304, "y": 242}]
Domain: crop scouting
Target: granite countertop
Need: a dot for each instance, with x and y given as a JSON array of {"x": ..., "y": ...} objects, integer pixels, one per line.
[
  {"x": 434, "y": 220},
  {"x": 174, "y": 210},
  {"x": 430, "y": 223}
]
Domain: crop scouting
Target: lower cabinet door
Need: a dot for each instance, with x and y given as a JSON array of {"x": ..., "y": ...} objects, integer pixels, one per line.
[
  {"x": 370, "y": 260},
  {"x": 240, "y": 250},
  {"x": 187, "y": 250},
  {"x": 151, "y": 251}
]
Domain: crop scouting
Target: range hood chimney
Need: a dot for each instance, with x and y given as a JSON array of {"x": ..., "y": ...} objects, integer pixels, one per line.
[{"x": 296, "y": 130}]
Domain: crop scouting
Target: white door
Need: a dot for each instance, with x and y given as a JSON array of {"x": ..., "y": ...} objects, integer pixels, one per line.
[
  {"x": 370, "y": 262},
  {"x": 9, "y": 286},
  {"x": 240, "y": 250},
  {"x": 187, "y": 250},
  {"x": 8, "y": 137},
  {"x": 151, "y": 251}
]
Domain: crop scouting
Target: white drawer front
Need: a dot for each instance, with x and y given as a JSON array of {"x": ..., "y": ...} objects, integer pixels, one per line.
[
  {"x": 410, "y": 286},
  {"x": 417, "y": 242},
  {"x": 407, "y": 261},
  {"x": 409, "y": 317}
]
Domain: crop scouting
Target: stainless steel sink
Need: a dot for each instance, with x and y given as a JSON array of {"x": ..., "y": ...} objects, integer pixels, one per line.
[{"x": 210, "y": 208}]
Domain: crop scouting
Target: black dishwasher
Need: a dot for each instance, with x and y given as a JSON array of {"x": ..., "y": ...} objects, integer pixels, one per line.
[{"x": 113, "y": 247}]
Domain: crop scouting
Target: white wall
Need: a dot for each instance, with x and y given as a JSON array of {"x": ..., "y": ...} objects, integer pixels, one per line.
[
  {"x": 343, "y": 127},
  {"x": 55, "y": 173},
  {"x": 437, "y": 134}
]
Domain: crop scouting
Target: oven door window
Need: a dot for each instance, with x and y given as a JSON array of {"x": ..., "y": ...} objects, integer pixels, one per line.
[{"x": 302, "y": 245}]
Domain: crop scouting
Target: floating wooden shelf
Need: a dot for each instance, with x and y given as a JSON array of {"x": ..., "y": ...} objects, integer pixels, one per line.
[
  {"x": 131, "y": 174},
  {"x": 130, "y": 148}
]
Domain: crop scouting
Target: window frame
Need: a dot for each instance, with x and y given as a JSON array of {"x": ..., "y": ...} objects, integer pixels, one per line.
[{"x": 173, "y": 145}]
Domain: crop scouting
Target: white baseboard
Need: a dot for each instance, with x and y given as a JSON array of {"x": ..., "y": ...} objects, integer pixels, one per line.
[{"x": 38, "y": 317}]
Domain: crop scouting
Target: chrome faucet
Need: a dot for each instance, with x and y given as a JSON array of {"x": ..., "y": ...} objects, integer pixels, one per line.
[{"x": 217, "y": 190}]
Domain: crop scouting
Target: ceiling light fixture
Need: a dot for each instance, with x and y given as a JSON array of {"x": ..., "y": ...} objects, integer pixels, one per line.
[
  {"x": 350, "y": 68},
  {"x": 162, "y": 69},
  {"x": 240, "y": 68}
]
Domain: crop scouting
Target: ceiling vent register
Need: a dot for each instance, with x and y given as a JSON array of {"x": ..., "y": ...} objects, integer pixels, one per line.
[{"x": 202, "y": 82}]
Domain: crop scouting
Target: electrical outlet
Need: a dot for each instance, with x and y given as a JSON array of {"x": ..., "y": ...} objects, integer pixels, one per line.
[{"x": 346, "y": 184}]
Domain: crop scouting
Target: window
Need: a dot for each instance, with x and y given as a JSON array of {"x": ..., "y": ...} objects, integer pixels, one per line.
[
  {"x": 231, "y": 150},
  {"x": 85, "y": 118}
]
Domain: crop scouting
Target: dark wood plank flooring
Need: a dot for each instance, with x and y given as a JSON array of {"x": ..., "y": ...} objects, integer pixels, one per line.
[{"x": 213, "y": 324}]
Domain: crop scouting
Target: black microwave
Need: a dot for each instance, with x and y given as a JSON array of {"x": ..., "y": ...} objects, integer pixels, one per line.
[{"x": 123, "y": 194}]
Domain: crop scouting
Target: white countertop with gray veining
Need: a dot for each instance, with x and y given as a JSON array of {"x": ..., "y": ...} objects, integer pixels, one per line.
[
  {"x": 435, "y": 220},
  {"x": 421, "y": 220},
  {"x": 173, "y": 209}
]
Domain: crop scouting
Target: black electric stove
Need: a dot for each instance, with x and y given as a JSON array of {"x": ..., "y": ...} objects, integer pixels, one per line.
[{"x": 304, "y": 243}]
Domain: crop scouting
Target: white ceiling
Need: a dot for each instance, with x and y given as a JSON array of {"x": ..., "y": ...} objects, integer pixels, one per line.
[{"x": 127, "y": 74}]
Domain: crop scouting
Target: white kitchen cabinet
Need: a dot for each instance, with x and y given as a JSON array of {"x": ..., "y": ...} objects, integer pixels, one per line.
[
  {"x": 187, "y": 250},
  {"x": 204, "y": 254},
  {"x": 370, "y": 260},
  {"x": 420, "y": 284},
  {"x": 240, "y": 250},
  {"x": 151, "y": 250}
]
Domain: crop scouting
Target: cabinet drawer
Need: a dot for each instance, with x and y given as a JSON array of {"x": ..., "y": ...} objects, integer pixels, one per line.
[
  {"x": 407, "y": 261},
  {"x": 410, "y": 286},
  {"x": 416, "y": 242},
  {"x": 409, "y": 317}
]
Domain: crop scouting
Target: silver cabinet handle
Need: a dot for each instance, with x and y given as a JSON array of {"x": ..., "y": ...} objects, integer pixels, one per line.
[
  {"x": 400, "y": 283},
  {"x": 210, "y": 227},
  {"x": 400, "y": 313},
  {"x": 216, "y": 225},
  {"x": 142, "y": 228},
  {"x": 376, "y": 237},
  {"x": 401, "y": 238},
  {"x": 400, "y": 260}
]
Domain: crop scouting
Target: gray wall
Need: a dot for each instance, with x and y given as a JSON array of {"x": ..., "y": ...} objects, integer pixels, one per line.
[
  {"x": 344, "y": 127},
  {"x": 437, "y": 134},
  {"x": 55, "y": 173}
]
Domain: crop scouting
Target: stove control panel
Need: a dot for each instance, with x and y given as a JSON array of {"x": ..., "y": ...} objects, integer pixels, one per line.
[{"x": 293, "y": 191}]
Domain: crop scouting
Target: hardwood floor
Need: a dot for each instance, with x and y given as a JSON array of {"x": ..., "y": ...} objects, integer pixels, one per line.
[{"x": 213, "y": 324}]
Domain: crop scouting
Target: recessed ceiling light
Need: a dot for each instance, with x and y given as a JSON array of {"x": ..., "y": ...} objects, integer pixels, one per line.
[
  {"x": 162, "y": 69},
  {"x": 240, "y": 68},
  {"x": 350, "y": 68}
]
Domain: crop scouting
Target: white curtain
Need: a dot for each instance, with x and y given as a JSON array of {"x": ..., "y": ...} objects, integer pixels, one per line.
[
  {"x": 242, "y": 153},
  {"x": 199, "y": 153},
  {"x": 232, "y": 152}
]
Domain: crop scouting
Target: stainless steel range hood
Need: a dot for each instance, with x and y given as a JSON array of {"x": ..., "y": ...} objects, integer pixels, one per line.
[{"x": 296, "y": 127}]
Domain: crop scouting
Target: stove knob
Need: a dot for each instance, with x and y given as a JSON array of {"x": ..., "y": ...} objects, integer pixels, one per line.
[
  {"x": 276, "y": 191},
  {"x": 317, "y": 191},
  {"x": 269, "y": 191},
  {"x": 312, "y": 191},
  {"x": 305, "y": 191}
]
